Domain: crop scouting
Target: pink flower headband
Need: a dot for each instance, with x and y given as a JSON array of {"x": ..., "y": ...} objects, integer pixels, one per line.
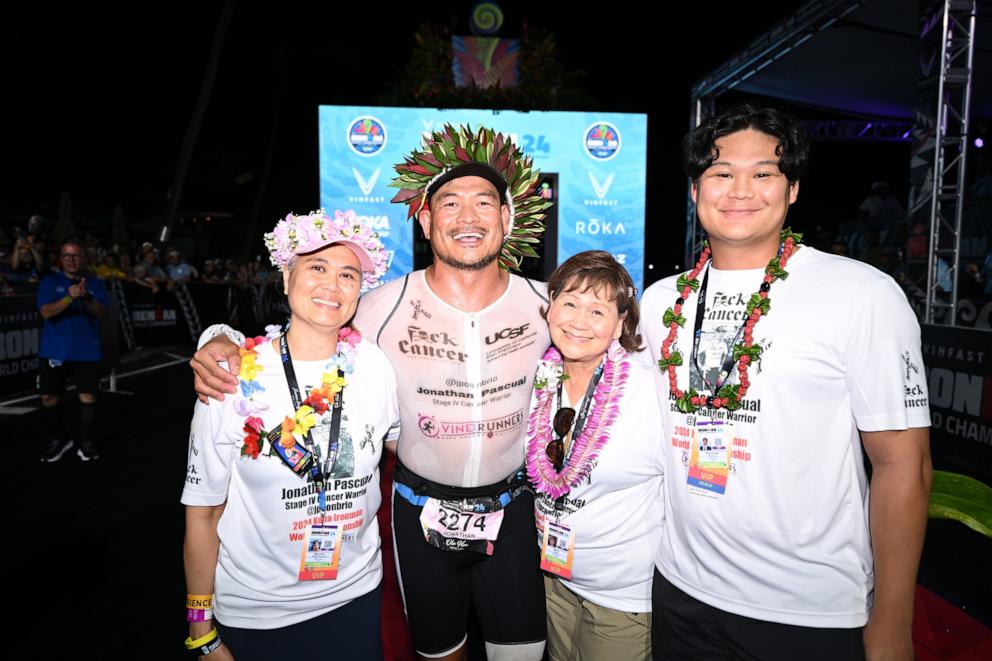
[{"x": 297, "y": 235}]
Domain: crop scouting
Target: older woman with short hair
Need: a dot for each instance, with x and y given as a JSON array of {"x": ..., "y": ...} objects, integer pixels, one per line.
[{"x": 594, "y": 456}]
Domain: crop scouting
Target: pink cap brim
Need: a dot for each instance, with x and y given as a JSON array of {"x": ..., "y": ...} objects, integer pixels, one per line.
[{"x": 364, "y": 258}]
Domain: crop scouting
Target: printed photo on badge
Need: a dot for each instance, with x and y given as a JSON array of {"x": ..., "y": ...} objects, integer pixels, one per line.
[
  {"x": 321, "y": 553},
  {"x": 557, "y": 549},
  {"x": 709, "y": 461}
]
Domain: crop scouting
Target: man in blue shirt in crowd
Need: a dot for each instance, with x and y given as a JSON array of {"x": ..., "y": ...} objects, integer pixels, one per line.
[{"x": 71, "y": 306}]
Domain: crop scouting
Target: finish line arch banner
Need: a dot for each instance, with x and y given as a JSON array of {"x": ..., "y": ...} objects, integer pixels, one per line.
[{"x": 600, "y": 159}]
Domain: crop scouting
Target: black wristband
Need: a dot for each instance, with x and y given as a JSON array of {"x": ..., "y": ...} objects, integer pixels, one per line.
[{"x": 204, "y": 650}]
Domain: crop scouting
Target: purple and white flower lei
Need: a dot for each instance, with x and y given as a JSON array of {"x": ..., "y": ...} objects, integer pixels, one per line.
[{"x": 595, "y": 433}]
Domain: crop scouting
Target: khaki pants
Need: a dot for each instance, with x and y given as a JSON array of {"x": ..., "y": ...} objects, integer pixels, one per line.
[{"x": 579, "y": 630}]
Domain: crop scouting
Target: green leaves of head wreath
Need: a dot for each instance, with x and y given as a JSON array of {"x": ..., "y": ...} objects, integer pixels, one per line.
[{"x": 450, "y": 147}]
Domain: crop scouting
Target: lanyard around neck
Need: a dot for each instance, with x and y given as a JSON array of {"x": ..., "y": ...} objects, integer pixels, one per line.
[
  {"x": 580, "y": 419},
  {"x": 318, "y": 473},
  {"x": 728, "y": 365}
]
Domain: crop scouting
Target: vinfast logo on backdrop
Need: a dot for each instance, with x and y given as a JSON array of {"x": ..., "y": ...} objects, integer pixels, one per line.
[
  {"x": 601, "y": 189},
  {"x": 601, "y": 141},
  {"x": 366, "y": 135},
  {"x": 366, "y": 186}
]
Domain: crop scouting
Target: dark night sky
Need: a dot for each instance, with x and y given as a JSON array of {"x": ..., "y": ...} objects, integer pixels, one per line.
[{"x": 98, "y": 100}]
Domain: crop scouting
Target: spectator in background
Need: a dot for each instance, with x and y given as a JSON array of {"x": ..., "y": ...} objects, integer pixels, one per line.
[
  {"x": 881, "y": 209},
  {"x": 37, "y": 226},
  {"x": 179, "y": 271},
  {"x": 971, "y": 284},
  {"x": 110, "y": 268},
  {"x": 838, "y": 246},
  {"x": 242, "y": 277},
  {"x": 870, "y": 248},
  {"x": 209, "y": 273},
  {"x": 897, "y": 240},
  {"x": 27, "y": 262},
  {"x": 71, "y": 306},
  {"x": 139, "y": 276},
  {"x": 94, "y": 256},
  {"x": 6, "y": 271},
  {"x": 265, "y": 275},
  {"x": 918, "y": 244},
  {"x": 230, "y": 271},
  {"x": 253, "y": 273},
  {"x": 153, "y": 271},
  {"x": 90, "y": 241}
]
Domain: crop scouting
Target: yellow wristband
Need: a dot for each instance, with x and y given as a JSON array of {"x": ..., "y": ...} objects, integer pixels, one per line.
[
  {"x": 201, "y": 601},
  {"x": 200, "y": 642},
  {"x": 68, "y": 299}
]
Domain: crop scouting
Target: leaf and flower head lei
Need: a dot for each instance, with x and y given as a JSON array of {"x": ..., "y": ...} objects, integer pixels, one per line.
[
  {"x": 745, "y": 352},
  {"x": 451, "y": 153},
  {"x": 300, "y": 234}
]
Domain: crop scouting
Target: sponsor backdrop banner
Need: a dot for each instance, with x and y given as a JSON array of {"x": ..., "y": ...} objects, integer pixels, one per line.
[
  {"x": 156, "y": 319},
  {"x": 959, "y": 375},
  {"x": 20, "y": 339},
  {"x": 600, "y": 159}
]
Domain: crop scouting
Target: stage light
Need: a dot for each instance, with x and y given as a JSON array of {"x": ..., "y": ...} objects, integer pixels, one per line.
[
  {"x": 650, "y": 267},
  {"x": 979, "y": 143}
]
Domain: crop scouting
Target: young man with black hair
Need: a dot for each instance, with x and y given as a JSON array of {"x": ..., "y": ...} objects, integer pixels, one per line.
[{"x": 773, "y": 549}]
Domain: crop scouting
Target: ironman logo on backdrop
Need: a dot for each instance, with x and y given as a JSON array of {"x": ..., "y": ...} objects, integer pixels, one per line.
[
  {"x": 601, "y": 141},
  {"x": 366, "y": 136}
]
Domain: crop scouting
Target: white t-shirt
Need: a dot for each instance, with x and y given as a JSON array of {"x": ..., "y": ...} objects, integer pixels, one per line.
[
  {"x": 788, "y": 541},
  {"x": 466, "y": 376},
  {"x": 269, "y": 508},
  {"x": 616, "y": 515}
]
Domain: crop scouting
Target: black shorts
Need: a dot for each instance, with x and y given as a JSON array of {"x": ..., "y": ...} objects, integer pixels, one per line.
[
  {"x": 51, "y": 378},
  {"x": 682, "y": 627},
  {"x": 505, "y": 590}
]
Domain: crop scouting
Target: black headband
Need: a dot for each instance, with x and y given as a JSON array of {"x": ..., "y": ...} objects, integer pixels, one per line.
[{"x": 473, "y": 169}]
